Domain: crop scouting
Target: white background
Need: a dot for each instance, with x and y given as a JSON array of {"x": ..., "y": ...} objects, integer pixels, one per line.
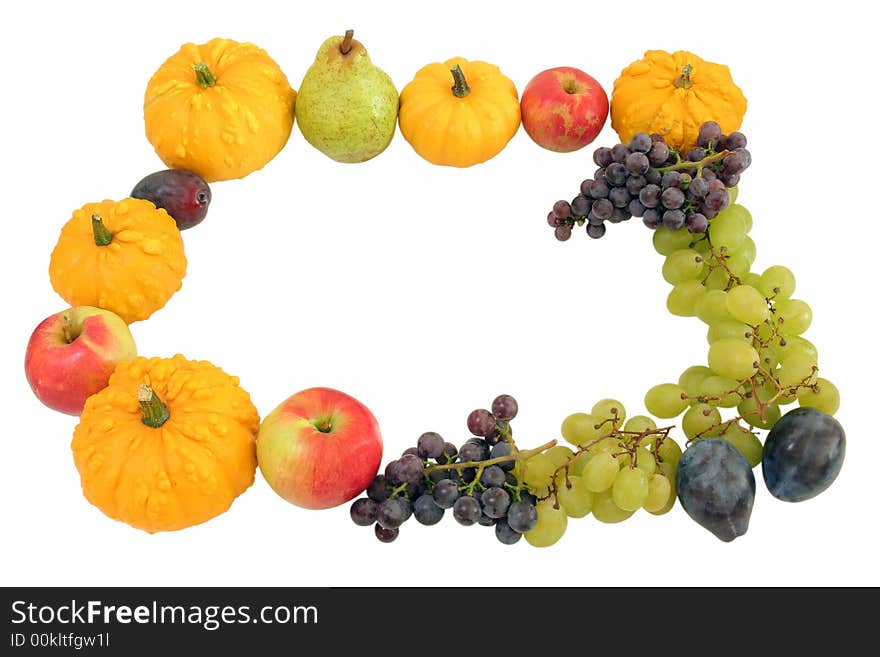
[{"x": 424, "y": 291}]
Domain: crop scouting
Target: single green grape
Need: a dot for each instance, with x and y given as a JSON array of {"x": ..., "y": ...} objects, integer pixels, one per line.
[
  {"x": 796, "y": 316},
  {"x": 748, "y": 408},
  {"x": 764, "y": 392},
  {"x": 682, "y": 299},
  {"x": 769, "y": 357},
  {"x": 752, "y": 279},
  {"x": 733, "y": 193},
  {"x": 668, "y": 241},
  {"x": 683, "y": 265},
  {"x": 578, "y": 463},
  {"x": 630, "y": 488},
  {"x": 580, "y": 429},
  {"x": 822, "y": 395},
  {"x": 605, "y": 409},
  {"x": 720, "y": 391},
  {"x": 747, "y": 305},
  {"x": 640, "y": 424},
  {"x": 718, "y": 279},
  {"x": 739, "y": 264},
  {"x": 610, "y": 445},
  {"x": 777, "y": 282},
  {"x": 670, "y": 453},
  {"x": 733, "y": 358},
  {"x": 745, "y": 441},
  {"x": 712, "y": 307},
  {"x": 692, "y": 377},
  {"x": 796, "y": 370},
  {"x": 659, "y": 492},
  {"x": 665, "y": 400},
  {"x": 605, "y": 510},
  {"x": 795, "y": 344},
  {"x": 538, "y": 471},
  {"x": 765, "y": 330},
  {"x": 551, "y": 525},
  {"x": 727, "y": 230},
  {"x": 645, "y": 461},
  {"x": 574, "y": 497},
  {"x": 698, "y": 419},
  {"x": 739, "y": 211},
  {"x": 559, "y": 454},
  {"x": 728, "y": 328},
  {"x": 748, "y": 251},
  {"x": 599, "y": 472},
  {"x": 702, "y": 247}
]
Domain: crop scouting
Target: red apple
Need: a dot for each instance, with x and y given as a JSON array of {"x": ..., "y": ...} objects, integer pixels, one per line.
[
  {"x": 563, "y": 109},
  {"x": 71, "y": 355},
  {"x": 319, "y": 448}
]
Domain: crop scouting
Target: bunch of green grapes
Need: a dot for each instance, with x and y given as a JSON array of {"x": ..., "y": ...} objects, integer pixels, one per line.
[
  {"x": 758, "y": 359},
  {"x": 616, "y": 467}
]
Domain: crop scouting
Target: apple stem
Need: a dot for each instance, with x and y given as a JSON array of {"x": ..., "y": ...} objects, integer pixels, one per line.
[
  {"x": 103, "y": 237},
  {"x": 67, "y": 329},
  {"x": 154, "y": 412},
  {"x": 204, "y": 76},
  {"x": 460, "y": 88},
  {"x": 345, "y": 46},
  {"x": 683, "y": 81}
]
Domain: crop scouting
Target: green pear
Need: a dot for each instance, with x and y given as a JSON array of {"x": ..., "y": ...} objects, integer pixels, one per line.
[{"x": 346, "y": 106}]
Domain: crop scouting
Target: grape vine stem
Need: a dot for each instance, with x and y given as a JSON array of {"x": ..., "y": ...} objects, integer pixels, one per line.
[
  {"x": 519, "y": 455},
  {"x": 687, "y": 164}
]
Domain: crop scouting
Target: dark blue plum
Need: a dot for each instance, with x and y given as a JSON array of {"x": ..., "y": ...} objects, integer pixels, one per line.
[
  {"x": 716, "y": 487},
  {"x": 803, "y": 454},
  {"x": 183, "y": 194}
]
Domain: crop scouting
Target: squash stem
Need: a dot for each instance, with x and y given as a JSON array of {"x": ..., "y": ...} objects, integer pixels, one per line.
[
  {"x": 154, "y": 412},
  {"x": 204, "y": 76},
  {"x": 460, "y": 88},
  {"x": 103, "y": 237},
  {"x": 345, "y": 46},
  {"x": 683, "y": 81}
]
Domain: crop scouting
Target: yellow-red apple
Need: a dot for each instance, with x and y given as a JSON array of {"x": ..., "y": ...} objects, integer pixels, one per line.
[
  {"x": 563, "y": 109},
  {"x": 71, "y": 354},
  {"x": 319, "y": 448}
]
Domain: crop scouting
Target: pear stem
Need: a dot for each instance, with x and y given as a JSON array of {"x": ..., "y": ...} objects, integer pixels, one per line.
[
  {"x": 460, "y": 88},
  {"x": 345, "y": 46},
  {"x": 683, "y": 81},
  {"x": 103, "y": 237}
]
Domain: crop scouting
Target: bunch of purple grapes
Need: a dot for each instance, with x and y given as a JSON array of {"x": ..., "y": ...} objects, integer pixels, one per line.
[
  {"x": 647, "y": 179},
  {"x": 416, "y": 485}
]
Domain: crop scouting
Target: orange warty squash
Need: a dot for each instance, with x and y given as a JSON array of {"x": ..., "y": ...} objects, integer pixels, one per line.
[
  {"x": 672, "y": 94},
  {"x": 221, "y": 109},
  {"x": 126, "y": 257},
  {"x": 459, "y": 113},
  {"x": 169, "y": 443}
]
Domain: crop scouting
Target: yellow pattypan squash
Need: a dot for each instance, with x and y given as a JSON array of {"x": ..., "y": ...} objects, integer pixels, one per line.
[
  {"x": 672, "y": 94},
  {"x": 459, "y": 113},
  {"x": 125, "y": 256},
  {"x": 221, "y": 109},
  {"x": 169, "y": 443}
]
